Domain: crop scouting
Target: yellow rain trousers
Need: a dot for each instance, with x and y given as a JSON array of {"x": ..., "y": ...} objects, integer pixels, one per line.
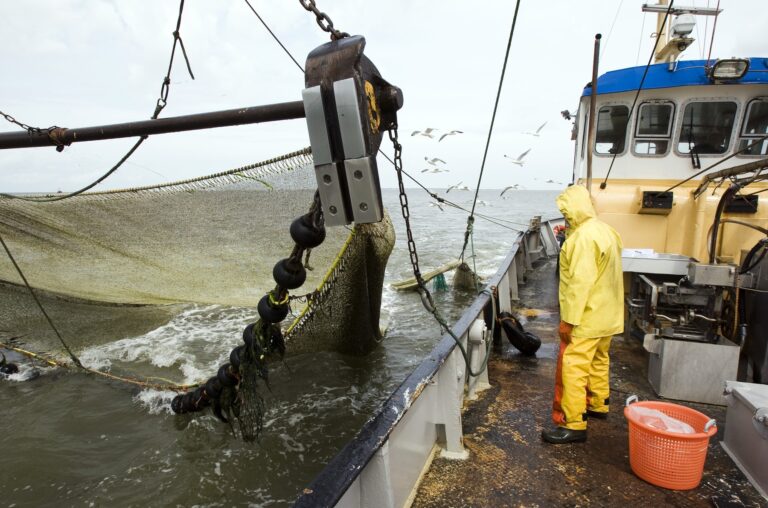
[{"x": 591, "y": 298}]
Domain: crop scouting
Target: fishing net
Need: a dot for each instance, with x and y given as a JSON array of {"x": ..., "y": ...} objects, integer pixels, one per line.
[{"x": 210, "y": 240}]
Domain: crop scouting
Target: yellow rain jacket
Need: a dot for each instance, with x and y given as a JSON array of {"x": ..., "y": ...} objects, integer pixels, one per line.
[{"x": 591, "y": 279}]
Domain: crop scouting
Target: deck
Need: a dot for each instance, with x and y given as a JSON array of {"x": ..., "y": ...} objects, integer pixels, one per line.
[{"x": 509, "y": 465}]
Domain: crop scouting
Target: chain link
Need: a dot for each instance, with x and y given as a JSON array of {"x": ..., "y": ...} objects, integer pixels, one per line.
[
  {"x": 323, "y": 21},
  {"x": 426, "y": 296}
]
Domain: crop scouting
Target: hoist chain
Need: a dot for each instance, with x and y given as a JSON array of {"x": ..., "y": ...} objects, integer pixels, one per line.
[
  {"x": 51, "y": 131},
  {"x": 426, "y": 297},
  {"x": 323, "y": 21}
]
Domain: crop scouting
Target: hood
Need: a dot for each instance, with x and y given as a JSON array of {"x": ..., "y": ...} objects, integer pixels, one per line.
[{"x": 576, "y": 205}]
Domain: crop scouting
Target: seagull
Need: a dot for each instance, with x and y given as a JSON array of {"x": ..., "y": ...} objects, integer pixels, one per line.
[
  {"x": 482, "y": 202},
  {"x": 449, "y": 134},
  {"x": 435, "y": 170},
  {"x": 552, "y": 181},
  {"x": 426, "y": 132},
  {"x": 449, "y": 189},
  {"x": 516, "y": 186},
  {"x": 433, "y": 161},
  {"x": 538, "y": 131},
  {"x": 435, "y": 203},
  {"x": 519, "y": 161}
]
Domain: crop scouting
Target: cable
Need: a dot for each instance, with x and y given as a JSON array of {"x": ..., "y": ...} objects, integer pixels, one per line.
[
  {"x": 639, "y": 88},
  {"x": 640, "y": 41},
  {"x": 610, "y": 31},
  {"x": 74, "y": 358},
  {"x": 275, "y": 37},
  {"x": 162, "y": 101},
  {"x": 490, "y": 129}
]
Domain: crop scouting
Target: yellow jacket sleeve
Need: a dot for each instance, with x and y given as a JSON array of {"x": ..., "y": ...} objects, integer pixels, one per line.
[{"x": 578, "y": 274}]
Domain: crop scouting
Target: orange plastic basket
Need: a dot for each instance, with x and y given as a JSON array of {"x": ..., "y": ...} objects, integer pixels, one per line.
[{"x": 669, "y": 459}]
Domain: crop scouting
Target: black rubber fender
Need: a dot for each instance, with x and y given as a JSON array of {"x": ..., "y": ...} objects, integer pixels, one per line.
[
  {"x": 305, "y": 234},
  {"x": 235, "y": 356},
  {"x": 525, "y": 342},
  {"x": 9, "y": 368},
  {"x": 200, "y": 398},
  {"x": 289, "y": 273},
  {"x": 176, "y": 405},
  {"x": 188, "y": 403},
  {"x": 271, "y": 313},
  {"x": 213, "y": 387},
  {"x": 225, "y": 376}
]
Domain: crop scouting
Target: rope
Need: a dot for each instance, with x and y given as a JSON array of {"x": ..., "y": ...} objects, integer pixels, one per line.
[
  {"x": 639, "y": 88},
  {"x": 147, "y": 383},
  {"x": 162, "y": 101},
  {"x": 490, "y": 129}
]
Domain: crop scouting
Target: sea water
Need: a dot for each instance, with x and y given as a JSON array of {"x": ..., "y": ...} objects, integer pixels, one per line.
[{"x": 70, "y": 439}]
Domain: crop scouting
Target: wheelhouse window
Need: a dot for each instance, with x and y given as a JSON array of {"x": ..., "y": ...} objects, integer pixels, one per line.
[
  {"x": 707, "y": 127},
  {"x": 611, "y": 130},
  {"x": 654, "y": 128},
  {"x": 755, "y": 128}
]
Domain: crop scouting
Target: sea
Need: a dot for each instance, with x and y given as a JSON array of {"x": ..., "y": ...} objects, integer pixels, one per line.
[{"x": 70, "y": 439}]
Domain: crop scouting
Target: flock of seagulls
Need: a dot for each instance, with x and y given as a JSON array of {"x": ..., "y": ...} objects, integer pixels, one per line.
[
  {"x": 437, "y": 165},
  {"x": 429, "y": 132}
]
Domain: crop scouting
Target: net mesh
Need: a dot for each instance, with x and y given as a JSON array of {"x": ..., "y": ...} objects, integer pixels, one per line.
[{"x": 208, "y": 240}]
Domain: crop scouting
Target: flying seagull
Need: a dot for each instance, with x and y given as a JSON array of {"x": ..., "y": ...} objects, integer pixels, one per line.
[
  {"x": 435, "y": 203},
  {"x": 433, "y": 161},
  {"x": 449, "y": 134},
  {"x": 434, "y": 170},
  {"x": 519, "y": 161},
  {"x": 426, "y": 132},
  {"x": 516, "y": 186},
  {"x": 538, "y": 131},
  {"x": 449, "y": 189}
]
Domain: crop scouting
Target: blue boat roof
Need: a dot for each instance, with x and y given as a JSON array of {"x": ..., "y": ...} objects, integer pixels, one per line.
[{"x": 687, "y": 73}]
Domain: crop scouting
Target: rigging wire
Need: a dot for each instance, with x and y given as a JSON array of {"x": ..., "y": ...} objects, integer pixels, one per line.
[
  {"x": 706, "y": 32},
  {"x": 74, "y": 358},
  {"x": 493, "y": 220},
  {"x": 162, "y": 101},
  {"x": 639, "y": 87},
  {"x": 640, "y": 41},
  {"x": 610, "y": 31},
  {"x": 275, "y": 36},
  {"x": 470, "y": 219}
]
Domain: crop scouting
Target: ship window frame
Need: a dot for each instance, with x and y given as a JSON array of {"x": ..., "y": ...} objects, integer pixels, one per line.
[
  {"x": 636, "y": 136},
  {"x": 751, "y": 137},
  {"x": 627, "y": 130},
  {"x": 681, "y": 120}
]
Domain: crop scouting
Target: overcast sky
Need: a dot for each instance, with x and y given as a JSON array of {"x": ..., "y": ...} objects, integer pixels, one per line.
[{"x": 77, "y": 63}]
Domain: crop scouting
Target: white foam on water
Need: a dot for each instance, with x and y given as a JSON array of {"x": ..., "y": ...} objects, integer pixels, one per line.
[
  {"x": 196, "y": 342},
  {"x": 155, "y": 401}
]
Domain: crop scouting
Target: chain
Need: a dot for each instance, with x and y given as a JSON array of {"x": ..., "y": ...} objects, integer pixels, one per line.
[
  {"x": 51, "y": 131},
  {"x": 426, "y": 296},
  {"x": 323, "y": 21}
]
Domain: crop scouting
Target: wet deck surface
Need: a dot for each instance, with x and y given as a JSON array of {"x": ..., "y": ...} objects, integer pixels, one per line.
[{"x": 509, "y": 465}]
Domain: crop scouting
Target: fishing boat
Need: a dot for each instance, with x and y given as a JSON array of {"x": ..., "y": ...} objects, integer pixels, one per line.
[
  {"x": 654, "y": 145},
  {"x": 672, "y": 154}
]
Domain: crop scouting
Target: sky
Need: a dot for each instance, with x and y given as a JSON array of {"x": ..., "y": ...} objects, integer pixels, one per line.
[{"x": 78, "y": 63}]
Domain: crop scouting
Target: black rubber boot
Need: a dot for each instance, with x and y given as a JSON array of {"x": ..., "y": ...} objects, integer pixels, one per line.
[{"x": 561, "y": 435}]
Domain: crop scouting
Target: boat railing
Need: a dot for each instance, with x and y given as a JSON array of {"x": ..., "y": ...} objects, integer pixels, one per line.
[{"x": 383, "y": 464}]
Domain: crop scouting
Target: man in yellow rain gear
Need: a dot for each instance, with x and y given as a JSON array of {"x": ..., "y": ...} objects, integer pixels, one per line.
[{"x": 591, "y": 312}]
